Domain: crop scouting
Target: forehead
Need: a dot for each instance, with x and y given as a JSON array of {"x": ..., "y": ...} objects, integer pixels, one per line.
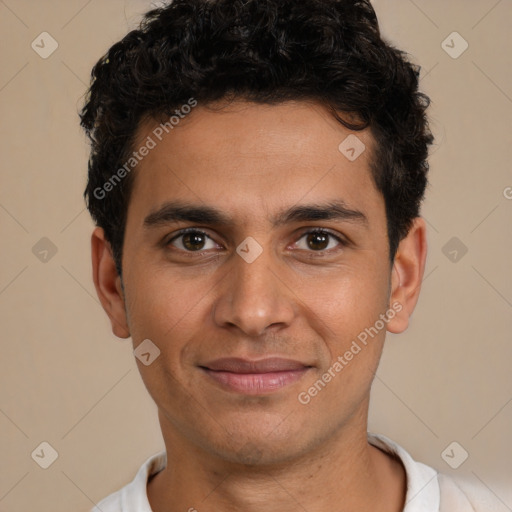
[{"x": 247, "y": 157}]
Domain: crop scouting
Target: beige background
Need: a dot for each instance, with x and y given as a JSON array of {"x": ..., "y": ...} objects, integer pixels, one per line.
[{"x": 65, "y": 379}]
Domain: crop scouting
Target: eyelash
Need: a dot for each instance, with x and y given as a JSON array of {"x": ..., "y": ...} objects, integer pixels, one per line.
[{"x": 182, "y": 232}]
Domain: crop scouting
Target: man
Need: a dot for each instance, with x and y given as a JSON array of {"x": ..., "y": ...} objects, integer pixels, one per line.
[{"x": 256, "y": 174}]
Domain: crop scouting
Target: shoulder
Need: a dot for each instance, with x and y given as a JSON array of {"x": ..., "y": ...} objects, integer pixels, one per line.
[
  {"x": 133, "y": 496},
  {"x": 112, "y": 503},
  {"x": 465, "y": 494},
  {"x": 431, "y": 491}
]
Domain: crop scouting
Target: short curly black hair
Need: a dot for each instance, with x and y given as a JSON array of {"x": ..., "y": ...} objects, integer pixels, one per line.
[{"x": 263, "y": 51}]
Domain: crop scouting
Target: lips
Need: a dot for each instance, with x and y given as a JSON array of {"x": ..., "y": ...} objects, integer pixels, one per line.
[
  {"x": 255, "y": 376},
  {"x": 238, "y": 365}
]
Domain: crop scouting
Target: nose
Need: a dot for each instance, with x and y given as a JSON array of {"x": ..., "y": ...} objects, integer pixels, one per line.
[{"x": 253, "y": 297}]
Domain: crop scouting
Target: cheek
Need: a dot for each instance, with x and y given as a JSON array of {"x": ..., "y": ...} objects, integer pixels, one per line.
[
  {"x": 347, "y": 314},
  {"x": 346, "y": 302},
  {"x": 168, "y": 314},
  {"x": 164, "y": 309}
]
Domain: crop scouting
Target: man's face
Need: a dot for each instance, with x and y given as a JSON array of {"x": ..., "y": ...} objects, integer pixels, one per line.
[{"x": 268, "y": 172}]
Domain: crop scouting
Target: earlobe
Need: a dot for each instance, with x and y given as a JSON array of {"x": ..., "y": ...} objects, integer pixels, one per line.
[
  {"x": 108, "y": 283},
  {"x": 407, "y": 275}
]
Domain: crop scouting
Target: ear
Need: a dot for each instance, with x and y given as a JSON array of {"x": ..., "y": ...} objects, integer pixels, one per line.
[
  {"x": 108, "y": 283},
  {"x": 407, "y": 274}
]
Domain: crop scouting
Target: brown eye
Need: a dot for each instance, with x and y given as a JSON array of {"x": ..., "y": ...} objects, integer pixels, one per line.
[
  {"x": 192, "y": 241},
  {"x": 317, "y": 241}
]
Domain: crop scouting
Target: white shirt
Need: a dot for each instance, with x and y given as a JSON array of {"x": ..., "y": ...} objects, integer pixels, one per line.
[{"x": 427, "y": 490}]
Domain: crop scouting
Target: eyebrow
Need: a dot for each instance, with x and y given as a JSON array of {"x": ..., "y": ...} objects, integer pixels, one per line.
[{"x": 176, "y": 211}]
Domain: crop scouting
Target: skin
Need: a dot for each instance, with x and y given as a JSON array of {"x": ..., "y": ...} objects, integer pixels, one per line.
[{"x": 229, "y": 451}]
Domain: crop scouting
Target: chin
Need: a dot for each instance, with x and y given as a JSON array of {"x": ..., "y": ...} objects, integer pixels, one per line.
[{"x": 258, "y": 448}]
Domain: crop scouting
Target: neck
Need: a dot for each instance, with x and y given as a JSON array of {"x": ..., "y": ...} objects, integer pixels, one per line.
[{"x": 343, "y": 474}]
